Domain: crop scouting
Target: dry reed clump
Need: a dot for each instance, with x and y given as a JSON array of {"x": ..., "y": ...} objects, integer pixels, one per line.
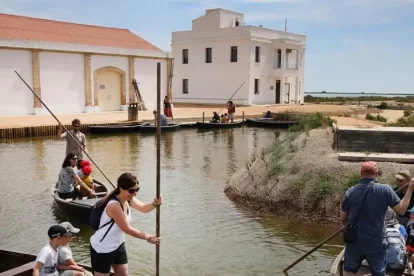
[{"x": 300, "y": 176}]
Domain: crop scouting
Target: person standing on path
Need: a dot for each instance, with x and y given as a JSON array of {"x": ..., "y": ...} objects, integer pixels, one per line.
[
  {"x": 168, "y": 108},
  {"x": 369, "y": 220},
  {"x": 71, "y": 146}
]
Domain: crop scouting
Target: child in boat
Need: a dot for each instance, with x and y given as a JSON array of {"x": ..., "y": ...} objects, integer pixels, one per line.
[
  {"x": 222, "y": 118},
  {"x": 47, "y": 259},
  {"x": 66, "y": 265},
  {"x": 410, "y": 232},
  {"x": 226, "y": 118},
  {"x": 87, "y": 179},
  {"x": 82, "y": 164}
]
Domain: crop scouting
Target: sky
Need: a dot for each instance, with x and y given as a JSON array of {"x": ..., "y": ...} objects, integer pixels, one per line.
[{"x": 352, "y": 45}]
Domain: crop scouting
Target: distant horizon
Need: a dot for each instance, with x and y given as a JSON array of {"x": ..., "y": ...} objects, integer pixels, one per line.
[{"x": 362, "y": 93}]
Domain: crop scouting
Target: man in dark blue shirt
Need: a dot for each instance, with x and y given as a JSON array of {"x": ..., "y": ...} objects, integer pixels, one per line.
[{"x": 370, "y": 241}]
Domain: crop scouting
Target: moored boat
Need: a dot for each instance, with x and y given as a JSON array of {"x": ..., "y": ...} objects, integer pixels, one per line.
[
  {"x": 269, "y": 122},
  {"x": 219, "y": 125},
  {"x": 80, "y": 208},
  {"x": 16, "y": 263},
  {"x": 153, "y": 128},
  {"x": 338, "y": 268},
  {"x": 114, "y": 129}
]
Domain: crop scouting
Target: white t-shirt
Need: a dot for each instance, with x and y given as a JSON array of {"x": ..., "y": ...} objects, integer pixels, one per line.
[
  {"x": 49, "y": 258},
  {"x": 64, "y": 254}
]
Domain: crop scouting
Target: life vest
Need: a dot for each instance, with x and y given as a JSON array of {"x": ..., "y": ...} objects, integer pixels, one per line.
[{"x": 396, "y": 250}]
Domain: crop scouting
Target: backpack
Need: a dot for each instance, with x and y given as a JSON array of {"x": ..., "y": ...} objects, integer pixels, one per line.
[
  {"x": 96, "y": 214},
  {"x": 396, "y": 251}
]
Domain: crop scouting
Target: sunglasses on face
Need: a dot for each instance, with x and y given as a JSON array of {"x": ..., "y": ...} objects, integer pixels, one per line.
[
  {"x": 74, "y": 158},
  {"x": 131, "y": 191}
]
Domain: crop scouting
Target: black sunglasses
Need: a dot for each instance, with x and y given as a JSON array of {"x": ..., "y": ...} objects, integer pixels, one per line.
[{"x": 131, "y": 191}]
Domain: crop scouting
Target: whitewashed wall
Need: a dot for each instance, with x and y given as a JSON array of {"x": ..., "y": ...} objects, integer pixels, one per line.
[
  {"x": 146, "y": 76},
  {"x": 62, "y": 81},
  {"x": 98, "y": 61},
  {"x": 211, "y": 82},
  {"x": 16, "y": 98}
]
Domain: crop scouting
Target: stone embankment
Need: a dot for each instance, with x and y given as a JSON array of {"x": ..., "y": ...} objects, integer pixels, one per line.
[{"x": 299, "y": 177}]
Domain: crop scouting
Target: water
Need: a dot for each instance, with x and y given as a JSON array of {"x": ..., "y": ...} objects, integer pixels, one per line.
[
  {"x": 203, "y": 233},
  {"x": 353, "y": 95}
]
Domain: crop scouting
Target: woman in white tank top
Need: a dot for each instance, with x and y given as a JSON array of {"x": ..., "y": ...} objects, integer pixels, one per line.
[{"x": 108, "y": 242}]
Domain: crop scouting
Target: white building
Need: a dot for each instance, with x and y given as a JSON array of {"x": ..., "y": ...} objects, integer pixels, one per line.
[
  {"x": 220, "y": 53},
  {"x": 74, "y": 67}
]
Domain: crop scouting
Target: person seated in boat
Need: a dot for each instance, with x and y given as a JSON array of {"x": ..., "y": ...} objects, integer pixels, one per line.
[
  {"x": 226, "y": 118},
  {"x": 69, "y": 179},
  {"x": 83, "y": 164},
  {"x": 216, "y": 118},
  {"x": 66, "y": 264},
  {"x": 402, "y": 178},
  {"x": 47, "y": 260},
  {"x": 222, "y": 118},
  {"x": 410, "y": 232},
  {"x": 268, "y": 115},
  {"x": 88, "y": 180},
  {"x": 164, "y": 120},
  {"x": 365, "y": 206}
]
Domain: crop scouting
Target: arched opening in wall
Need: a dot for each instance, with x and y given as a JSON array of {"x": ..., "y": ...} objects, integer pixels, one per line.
[{"x": 109, "y": 88}]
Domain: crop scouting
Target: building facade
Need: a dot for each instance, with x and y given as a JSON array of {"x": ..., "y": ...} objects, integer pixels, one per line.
[
  {"x": 75, "y": 68},
  {"x": 220, "y": 53}
]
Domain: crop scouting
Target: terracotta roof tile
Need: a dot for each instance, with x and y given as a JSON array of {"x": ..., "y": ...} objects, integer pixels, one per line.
[{"x": 14, "y": 27}]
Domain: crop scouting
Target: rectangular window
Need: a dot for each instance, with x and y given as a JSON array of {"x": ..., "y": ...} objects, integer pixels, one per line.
[
  {"x": 256, "y": 86},
  {"x": 209, "y": 56},
  {"x": 257, "y": 54},
  {"x": 185, "y": 86},
  {"x": 233, "y": 54},
  {"x": 291, "y": 59},
  {"x": 278, "y": 63},
  {"x": 185, "y": 56}
]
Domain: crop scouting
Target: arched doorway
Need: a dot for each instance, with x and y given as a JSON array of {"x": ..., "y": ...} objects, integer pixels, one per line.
[{"x": 109, "y": 88}]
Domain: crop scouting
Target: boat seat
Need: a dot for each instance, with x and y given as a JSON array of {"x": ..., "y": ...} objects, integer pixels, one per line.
[
  {"x": 85, "y": 197},
  {"x": 18, "y": 270}
]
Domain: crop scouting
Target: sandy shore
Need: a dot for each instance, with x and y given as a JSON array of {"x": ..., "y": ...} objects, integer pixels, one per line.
[{"x": 192, "y": 111}]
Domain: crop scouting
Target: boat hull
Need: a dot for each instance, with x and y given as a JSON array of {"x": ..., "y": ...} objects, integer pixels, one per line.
[
  {"x": 79, "y": 208},
  {"x": 270, "y": 123},
  {"x": 206, "y": 125},
  {"x": 114, "y": 129}
]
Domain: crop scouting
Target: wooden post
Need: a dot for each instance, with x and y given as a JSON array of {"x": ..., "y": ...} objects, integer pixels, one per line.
[
  {"x": 243, "y": 117},
  {"x": 157, "y": 227},
  {"x": 203, "y": 116}
]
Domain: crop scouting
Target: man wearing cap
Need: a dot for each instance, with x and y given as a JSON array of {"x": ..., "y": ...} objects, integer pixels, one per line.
[
  {"x": 370, "y": 243},
  {"x": 47, "y": 259},
  {"x": 403, "y": 178},
  {"x": 66, "y": 265}
]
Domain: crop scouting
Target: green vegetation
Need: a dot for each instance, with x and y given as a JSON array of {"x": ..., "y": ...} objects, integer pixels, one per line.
[
  {"x": 407, "y": 120},
  {"x": 352, "y": 180},
  {"x": 312, "y": 99},
  {"x": 378, "y": 118},
  {"x": 312, "y": 121}
]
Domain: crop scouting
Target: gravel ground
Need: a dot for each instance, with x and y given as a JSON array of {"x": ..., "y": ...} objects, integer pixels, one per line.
[{"x": 310, "y": 184}]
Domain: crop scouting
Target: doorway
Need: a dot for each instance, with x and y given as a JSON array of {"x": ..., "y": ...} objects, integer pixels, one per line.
[
  {"x": 287, "y": 91},
  {"x": 277, "y": 89},
  {"x": 109, "y": 91}
]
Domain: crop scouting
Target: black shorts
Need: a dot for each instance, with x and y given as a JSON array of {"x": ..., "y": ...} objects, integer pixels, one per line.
[{"x": 102, "y": 262}]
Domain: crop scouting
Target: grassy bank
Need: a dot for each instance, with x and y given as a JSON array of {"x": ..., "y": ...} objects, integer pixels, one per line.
[
  {"x": 312, "y": 99},
  {"x": 300, "y": 174}
]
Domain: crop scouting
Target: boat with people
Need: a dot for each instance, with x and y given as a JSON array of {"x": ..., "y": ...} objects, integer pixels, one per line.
[
  {"x": 17, "y": 263},
  {"x": 153, "y": 128},
  {"x": 219, "y": 125},
  {"x": 338, "y": 268},
  {"x": 115, "y": 128},
  {"x": 270, "y": 122},
  {"x": 81, "y": 207}
]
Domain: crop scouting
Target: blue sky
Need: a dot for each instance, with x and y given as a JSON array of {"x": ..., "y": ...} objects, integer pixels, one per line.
[{"x": 353, "y": 45}]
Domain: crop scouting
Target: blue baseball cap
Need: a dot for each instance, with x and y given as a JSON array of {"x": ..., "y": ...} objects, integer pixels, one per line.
[{"x": 411, "y": 210}]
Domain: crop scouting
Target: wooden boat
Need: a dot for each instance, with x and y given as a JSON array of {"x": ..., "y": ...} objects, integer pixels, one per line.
[
  {"x": 80, "y": 208},
  {"x": 338, "y": 268},
  {"x": 115, "y": 128},
  {"x": 269, "y": 122},
  {"x": 17, "y": 263},
  {"x": 153, "y": 128},
  {"x": 219, "y": 125}
]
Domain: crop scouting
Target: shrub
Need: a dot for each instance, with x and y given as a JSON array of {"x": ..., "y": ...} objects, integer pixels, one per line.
[
  {"x": 312, "y": 121},
  {"x": 383, "y": 105}
]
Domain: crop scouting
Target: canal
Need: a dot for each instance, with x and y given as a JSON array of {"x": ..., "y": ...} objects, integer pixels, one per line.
[{"x": 203, "y": 233}]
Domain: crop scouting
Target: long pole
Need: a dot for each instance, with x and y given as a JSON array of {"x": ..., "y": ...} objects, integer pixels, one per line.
[
  {"x": 71, "y": 136},
  {"x": 232, "y": 96},
  {"x": 326, "y": 240},
  {"x": 157, "y": 257}
]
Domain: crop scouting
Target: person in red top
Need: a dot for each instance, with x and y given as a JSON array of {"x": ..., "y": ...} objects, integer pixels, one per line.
[{"x": 231, "y": 109}]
